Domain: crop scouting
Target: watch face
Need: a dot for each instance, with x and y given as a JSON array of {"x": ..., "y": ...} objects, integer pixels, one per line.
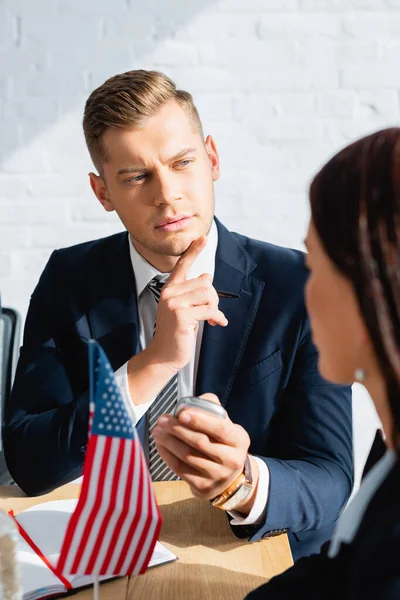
[{"x": 238, "y": 497}]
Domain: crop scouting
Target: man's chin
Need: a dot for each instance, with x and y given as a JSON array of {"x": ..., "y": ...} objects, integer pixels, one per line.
[
  {"x": 177, "y": 248},
  {"x": 178, "y": 244}
]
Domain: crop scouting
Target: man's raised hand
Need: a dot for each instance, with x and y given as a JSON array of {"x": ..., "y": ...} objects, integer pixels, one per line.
[{"x": 183, "y": 305}]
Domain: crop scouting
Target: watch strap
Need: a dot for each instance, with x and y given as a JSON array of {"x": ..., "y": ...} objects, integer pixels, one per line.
[
  {"x": 226, "y": 500},
  {"x": 247, "y": 470},
  {"x": 229, "y": 492}
]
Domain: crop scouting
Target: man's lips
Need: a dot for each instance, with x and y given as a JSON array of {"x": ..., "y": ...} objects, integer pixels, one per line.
[{"x": 175, "y": 223}]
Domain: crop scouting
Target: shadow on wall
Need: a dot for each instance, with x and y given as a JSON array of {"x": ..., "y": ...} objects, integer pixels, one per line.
[{"x": 53, "y": 53}]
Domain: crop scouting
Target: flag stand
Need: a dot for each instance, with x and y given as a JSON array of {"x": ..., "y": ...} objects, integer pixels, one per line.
[{"x": 96, "y": 591}]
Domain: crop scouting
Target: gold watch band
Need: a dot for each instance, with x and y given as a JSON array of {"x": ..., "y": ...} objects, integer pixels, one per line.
[
  {"x": 244, "y": 483},
  {"x": 229, "y": 492}
]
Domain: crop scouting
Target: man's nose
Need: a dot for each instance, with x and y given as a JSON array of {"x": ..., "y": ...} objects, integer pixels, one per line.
[{"x": 166, "y": 190}]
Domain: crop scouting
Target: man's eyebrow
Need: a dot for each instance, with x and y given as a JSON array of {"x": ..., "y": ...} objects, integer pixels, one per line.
[
  {"x": 135, "y": 169},
  {"x": 130, "y": 170},
  {"x": 182, "y": 153}
]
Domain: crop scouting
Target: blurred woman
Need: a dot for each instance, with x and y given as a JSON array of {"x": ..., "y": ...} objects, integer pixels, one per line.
[{"x": 353, "y": 298}]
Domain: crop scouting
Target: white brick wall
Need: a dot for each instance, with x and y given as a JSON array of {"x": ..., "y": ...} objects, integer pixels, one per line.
[{"x": 282, "y": 84}]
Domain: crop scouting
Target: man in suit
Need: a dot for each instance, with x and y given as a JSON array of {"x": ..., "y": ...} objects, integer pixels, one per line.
[{"x": 149, "y": 297}]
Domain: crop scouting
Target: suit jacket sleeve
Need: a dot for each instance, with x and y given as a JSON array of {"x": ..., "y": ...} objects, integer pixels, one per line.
[
  {"x": 47, "y": 417},
  {"x": 310, "y": 452}
]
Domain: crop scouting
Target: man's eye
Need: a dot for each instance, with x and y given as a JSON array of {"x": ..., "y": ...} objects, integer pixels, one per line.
[
  {"x": 184, "y": 163},
  {"x": 136, "y": 179}
]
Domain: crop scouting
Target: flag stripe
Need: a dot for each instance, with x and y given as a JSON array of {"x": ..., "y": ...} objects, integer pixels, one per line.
[
  {"x": 155, "y": 529},
  {"x": 130, "y": 525},
  {"x": 141, "y": 548},
  {"x": 139, "y": 558},
  {"x": 132, "y": 543},
  {"x": 73, "y": 522},
  {"x": 103, "y": 515},
  {"x": 89, "y": 513},
  {"x": 129, "y": 498},
  {"x": 117, "y": 502},
  {"x": 106, "y": 464},
  {"x": 147, "y": 550}
]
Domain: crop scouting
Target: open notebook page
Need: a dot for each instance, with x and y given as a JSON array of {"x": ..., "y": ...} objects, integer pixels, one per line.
[{"x": 46, "y": 524}]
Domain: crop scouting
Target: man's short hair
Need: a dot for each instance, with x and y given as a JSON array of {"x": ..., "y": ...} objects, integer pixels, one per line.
[{"x": 125, "y": 101}]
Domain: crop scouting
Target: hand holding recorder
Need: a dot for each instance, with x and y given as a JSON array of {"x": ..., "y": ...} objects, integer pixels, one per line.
[
  {"x": 208, "y": 451},
  {"x": 196, "y": 402}
]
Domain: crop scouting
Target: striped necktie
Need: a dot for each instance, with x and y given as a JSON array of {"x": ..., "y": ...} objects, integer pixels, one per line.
[{"x": 163, "y": 404}]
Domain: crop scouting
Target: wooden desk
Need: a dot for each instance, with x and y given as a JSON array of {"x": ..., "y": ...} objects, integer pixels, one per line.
[{"x": 212, "y": 563}]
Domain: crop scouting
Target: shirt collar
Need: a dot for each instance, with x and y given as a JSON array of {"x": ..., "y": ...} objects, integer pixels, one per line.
[{"x": 205, "y": 263}]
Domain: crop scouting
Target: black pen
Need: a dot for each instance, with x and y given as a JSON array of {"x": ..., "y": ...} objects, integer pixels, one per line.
[{"x": 227, "y": 295}]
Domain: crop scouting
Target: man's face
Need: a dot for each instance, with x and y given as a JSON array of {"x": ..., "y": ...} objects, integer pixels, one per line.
[{"x": 159, "y": 179}]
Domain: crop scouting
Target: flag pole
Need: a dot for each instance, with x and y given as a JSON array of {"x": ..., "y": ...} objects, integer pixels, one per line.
[
  {"x": 92, "y": 369},
  {"x": 92, "y": 349},
  {"x": 96, "y": 590}
]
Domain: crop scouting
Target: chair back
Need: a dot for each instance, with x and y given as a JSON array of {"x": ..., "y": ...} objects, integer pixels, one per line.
[{"x": 10, "y": 336}]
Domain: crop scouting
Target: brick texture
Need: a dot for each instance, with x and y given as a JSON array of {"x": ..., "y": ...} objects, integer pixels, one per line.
[{"x": 281, "y": 84}]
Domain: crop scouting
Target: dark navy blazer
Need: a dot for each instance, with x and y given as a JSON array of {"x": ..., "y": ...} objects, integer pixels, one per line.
[{"x": 262, "y": 366}]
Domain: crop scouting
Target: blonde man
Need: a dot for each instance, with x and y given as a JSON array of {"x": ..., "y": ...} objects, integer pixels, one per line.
[{"x": 282, "y": 459}]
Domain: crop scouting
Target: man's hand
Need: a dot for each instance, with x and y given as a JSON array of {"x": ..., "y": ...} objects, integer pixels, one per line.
[
  {"x": 205, "y": 451},
  {"x": 183, "y": 304}
]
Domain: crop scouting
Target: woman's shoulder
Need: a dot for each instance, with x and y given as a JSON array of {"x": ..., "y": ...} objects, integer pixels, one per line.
[
  {"x": 374, "y": 570},
  {"x": 368, "y": 567}
]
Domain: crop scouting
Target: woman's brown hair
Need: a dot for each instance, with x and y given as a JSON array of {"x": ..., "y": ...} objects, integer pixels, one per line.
[{"x": 355, "y": 208}]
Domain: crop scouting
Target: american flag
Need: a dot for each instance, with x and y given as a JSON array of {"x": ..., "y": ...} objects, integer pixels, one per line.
[{"x": 116, "y": 523}]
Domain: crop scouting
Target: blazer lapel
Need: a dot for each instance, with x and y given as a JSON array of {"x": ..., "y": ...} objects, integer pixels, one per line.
[
  {"x": 113, "y": 314},
  {"x": 222, "y": 347}
]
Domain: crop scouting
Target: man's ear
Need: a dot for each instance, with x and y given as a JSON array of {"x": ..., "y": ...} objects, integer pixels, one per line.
[
  {"x": 212, "y": 152},
  {"x": 98, "y": 186}
]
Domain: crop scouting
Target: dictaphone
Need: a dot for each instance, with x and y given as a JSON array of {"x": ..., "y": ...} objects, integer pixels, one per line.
[{"x": 200, "y": 404}]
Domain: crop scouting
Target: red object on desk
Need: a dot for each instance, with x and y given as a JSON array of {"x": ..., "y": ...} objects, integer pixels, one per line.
[{"x": 40, "y": 554}]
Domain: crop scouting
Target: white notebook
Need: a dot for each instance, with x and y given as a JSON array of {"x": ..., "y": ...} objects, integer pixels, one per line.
[{"x": 46, "y": 524}]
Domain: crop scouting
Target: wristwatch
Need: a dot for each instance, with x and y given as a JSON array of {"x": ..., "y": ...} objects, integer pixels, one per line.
[{"x": 238, "y": 491}]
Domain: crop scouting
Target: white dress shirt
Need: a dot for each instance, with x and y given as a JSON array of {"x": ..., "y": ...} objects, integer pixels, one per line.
[
  {"x": 147, "y": 309},
  {"x": 353, "y": 514}
]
